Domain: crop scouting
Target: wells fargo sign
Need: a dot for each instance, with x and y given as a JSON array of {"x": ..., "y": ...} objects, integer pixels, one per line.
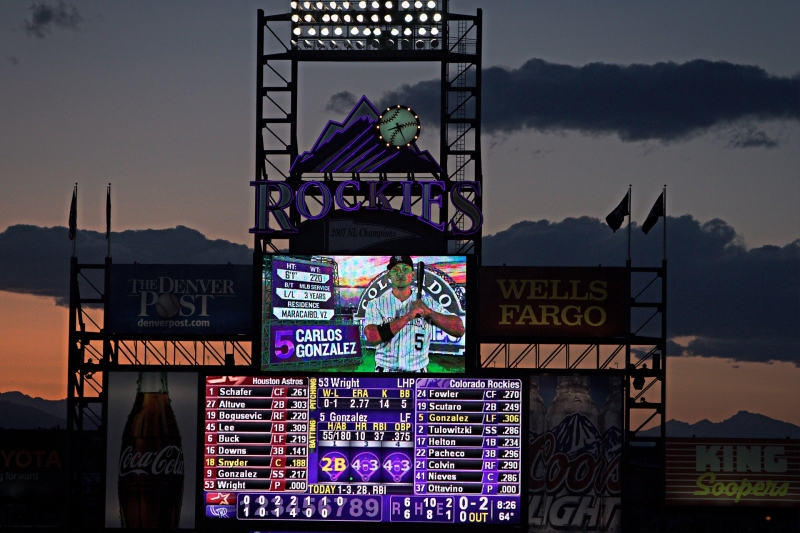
[
  {"x": 553, "y": 302},
  {"x": 737, "y": 472}
]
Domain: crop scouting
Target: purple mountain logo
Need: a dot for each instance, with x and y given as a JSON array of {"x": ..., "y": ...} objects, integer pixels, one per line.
[
  {"x": 354, "y": 145},
  {"x": 576, "y": 434}
]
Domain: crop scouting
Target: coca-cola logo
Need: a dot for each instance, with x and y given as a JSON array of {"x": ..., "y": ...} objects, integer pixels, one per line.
[
  {"x": 552, "y": 470},
  {"x": 168, "y": 461}
]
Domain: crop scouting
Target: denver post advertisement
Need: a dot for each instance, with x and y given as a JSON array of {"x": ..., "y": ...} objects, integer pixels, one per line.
[
  {"x": 180, "y": 299},
  {"x": 575, "y": 450}
]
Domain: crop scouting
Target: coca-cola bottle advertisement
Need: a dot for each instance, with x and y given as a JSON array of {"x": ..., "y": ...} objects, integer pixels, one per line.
[
  {"x": 575, "y": 445},
  {"x": 150, "y": 464}
]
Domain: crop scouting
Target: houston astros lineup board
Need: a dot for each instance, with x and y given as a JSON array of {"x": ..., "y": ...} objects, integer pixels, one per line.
[{"x": 354, "y": 448}]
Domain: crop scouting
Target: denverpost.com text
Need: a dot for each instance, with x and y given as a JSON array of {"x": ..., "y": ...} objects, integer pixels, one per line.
[{"x": 172, "y": 323}]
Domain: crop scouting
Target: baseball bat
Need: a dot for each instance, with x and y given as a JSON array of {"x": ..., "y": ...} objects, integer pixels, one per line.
[{"x": 421, "y": 282}]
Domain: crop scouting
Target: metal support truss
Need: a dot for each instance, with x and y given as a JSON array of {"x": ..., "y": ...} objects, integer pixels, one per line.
[
  {"x": 279, "y": 56},
  {"x": 641, "y": 358},
  {"x": 92, "y": 353}
]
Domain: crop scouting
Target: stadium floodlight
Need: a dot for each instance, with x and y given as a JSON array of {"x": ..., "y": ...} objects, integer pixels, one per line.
[
  {"x": 359, "y": 45},
  {"x": 420, "y": 44},
  {"x": 416, "y": 20},
  {"x": 375, "y": 43},
  {"x": 434, "y": 43},
  {"x": 321, "y": 45}
]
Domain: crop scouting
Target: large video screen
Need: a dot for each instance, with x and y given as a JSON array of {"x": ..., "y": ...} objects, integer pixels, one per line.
[
  {"x": 354, "y": 448},
  {"x": 364, "y": 313}
]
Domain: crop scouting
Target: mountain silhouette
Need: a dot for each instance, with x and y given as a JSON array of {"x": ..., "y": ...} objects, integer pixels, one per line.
[
  {"x": 742, "y": 425},
  {"x": 20, "y": 411}
]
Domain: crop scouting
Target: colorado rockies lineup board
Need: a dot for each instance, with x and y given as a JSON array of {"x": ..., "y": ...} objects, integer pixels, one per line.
[{"x": 336, "y": 448}]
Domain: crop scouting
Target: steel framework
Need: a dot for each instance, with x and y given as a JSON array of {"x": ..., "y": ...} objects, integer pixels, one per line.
[
  {"x": 640, "y": 357},
  {"x": 92, "y": 353},
  {"x": 458, "y": 50}
]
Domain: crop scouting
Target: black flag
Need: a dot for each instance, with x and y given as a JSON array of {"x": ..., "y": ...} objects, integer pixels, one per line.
[
  {"x": 616, "y": 217},
  {"x": 655, "y": 212},
  {"x": 73, "y": 215}
]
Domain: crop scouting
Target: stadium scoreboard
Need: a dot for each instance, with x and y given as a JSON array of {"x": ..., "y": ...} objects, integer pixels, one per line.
[{"x": 401, "y": 449}]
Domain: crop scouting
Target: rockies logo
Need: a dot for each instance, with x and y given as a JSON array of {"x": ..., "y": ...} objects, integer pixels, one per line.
[{"x": 399, "y": 126}]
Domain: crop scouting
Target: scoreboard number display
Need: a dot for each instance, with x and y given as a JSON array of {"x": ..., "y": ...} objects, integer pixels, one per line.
[{"x": 363, "y": 449}]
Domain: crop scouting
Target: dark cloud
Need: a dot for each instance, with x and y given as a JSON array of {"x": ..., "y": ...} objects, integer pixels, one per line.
[
  {"x": 665, "y": 101},
  {"x": 13, "y": 60},
  {"x": 35, "y": 260},
  {"x": 752, "y": 137},
  {"x": 342, "y": 102},
  {"x": 737, "y": 303},
  {"x": 44, "y": 17}
]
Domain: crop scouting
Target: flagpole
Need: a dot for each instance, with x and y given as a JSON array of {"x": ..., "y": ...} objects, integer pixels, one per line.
[
  {"x": 629, "y": 223},
  {"x": 108, "y": 219},
  {"x": 664, "y": 192},
  {"x": 75, "y": 240}
]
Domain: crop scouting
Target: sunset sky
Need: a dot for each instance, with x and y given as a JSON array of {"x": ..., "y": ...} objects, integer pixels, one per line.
[{"x": 580, "y": 99}]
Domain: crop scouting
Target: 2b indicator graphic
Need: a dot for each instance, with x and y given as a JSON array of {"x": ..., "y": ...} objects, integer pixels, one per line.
[{"x": 363, "y": 449}]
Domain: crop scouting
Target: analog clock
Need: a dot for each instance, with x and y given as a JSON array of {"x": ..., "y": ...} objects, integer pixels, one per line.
[{"x": 399, "y": 126}]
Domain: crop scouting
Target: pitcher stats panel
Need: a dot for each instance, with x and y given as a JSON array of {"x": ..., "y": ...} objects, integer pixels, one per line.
[{"x": 362, "y": 449}]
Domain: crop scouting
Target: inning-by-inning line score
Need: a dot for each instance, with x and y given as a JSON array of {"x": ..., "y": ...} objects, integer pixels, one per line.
[{"x": 363, "y": 449}]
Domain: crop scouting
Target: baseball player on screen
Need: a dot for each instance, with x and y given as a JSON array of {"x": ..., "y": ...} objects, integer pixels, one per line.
[{"x": 400, "y": 326}]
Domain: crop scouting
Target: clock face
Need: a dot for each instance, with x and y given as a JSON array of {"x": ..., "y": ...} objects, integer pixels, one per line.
[{"x": 399, "y": 126}]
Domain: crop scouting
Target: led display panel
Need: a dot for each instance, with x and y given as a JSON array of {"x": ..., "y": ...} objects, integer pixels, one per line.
[
  {"x": 364, "y": 313},
  {"x": 575, "y": 452},
  {"x": 151, "y": 446},
  {"x": 354, "y": 448}
]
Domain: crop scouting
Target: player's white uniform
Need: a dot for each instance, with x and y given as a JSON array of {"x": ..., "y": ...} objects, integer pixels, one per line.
[{"x": 408, "y": 349}]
